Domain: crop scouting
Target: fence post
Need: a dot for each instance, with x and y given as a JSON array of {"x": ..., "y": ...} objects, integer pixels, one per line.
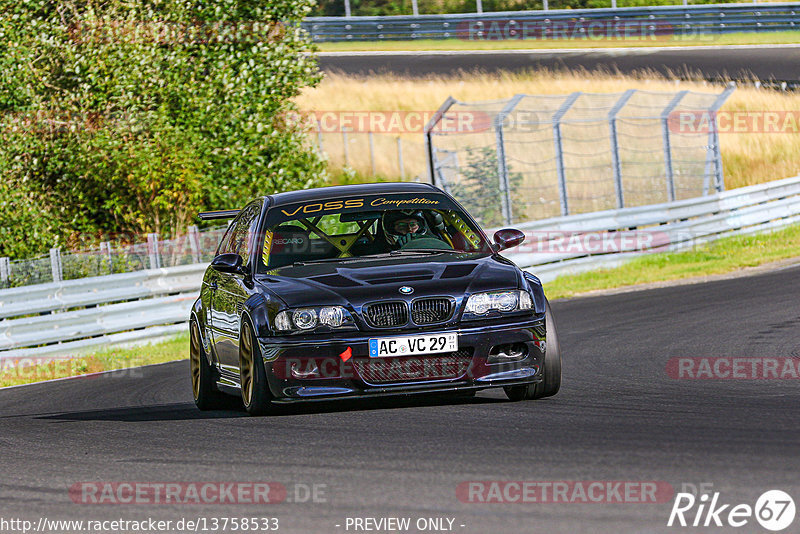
[
  {"x": 194, "y": 242},
  {"x": 5, "y": 269},
  {"x": 319, "y": 139},
  {"x": 105, "y": 250},
  {"x": 713, "y": 137},
  {"x": 400, "y": 157},
  {"x": 478, "y": 6},
  {"x": 667, "y": 146},
  {"x": 502, "y": 165},
  {"x": 429, "y": 136},
  {"x": 347, "y": 8},
  {"x": 371, "y": 152},
  {"x": 414, "y": 8},
  {"x": 152, "y": 250},
  {"x": 344, "y": 144},
  {"x": 562, "y": 178},
  {"x": 55, "y": 265},
  {"x": 617, "y": 165},
  {"x": 545, "y": 6}
]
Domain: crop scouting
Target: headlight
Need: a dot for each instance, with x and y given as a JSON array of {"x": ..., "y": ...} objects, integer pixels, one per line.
[
  {"x": 332, "y": 316},
  {"x": 502, "y": 301},
  {"x": 303, "y": 319}
]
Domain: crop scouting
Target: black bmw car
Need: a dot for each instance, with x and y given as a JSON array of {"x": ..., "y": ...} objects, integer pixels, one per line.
[{"x": 366, "y": 291}]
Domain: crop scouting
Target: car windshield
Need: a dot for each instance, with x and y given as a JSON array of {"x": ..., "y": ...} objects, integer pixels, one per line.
[{"x": 360, "y": 227}]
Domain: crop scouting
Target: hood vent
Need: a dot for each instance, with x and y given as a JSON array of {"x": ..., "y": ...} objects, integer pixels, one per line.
[
  {"x": 458, "y": 270},
  {"x": 398, "y": 279},
  {"x": 335, "y": 280}
]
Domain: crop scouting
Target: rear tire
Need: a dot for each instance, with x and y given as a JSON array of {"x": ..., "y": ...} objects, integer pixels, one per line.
[
  {"x": 204, "y": 389},
  {"x": 551, "y": 373},
  {"x": 253, "y": 377}
]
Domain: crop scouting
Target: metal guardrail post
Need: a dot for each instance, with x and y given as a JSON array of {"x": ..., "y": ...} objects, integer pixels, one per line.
[
  {"x": 5, "y": 269},
  {"x": 194, "y": 242},
  {"x": 152, "y": 251},
  {"x": 429, "y": 137},
  {"x": 612, "y": 125},
  {"x": 667, "y": 147},
  {"x": 502, "y": 165},
  {"x": 55, "y": 265},
  {"x": 562, "y": 178},
  {"x": 105, "y": 250},
  {"x": 713, "y": 137}
]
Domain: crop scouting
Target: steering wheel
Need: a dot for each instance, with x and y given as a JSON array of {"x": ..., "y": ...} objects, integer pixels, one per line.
[{"x": 426, "y": 243}]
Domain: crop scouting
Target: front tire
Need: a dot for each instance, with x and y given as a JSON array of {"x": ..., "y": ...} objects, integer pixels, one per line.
[
  {"x": 204, "y": 390},
  {"x": 551, "y": 373},
  {"x": 253, "y": 377}
]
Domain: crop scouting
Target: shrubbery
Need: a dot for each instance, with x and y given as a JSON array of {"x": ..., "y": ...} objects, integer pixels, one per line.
[{"x": 121, "y": 117}]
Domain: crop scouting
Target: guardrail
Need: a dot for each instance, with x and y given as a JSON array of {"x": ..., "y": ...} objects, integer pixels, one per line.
[
  {"x": 661, "y": 227},
  {"x": 60, "y": 319},
  {"x": 659, "y": 21}
]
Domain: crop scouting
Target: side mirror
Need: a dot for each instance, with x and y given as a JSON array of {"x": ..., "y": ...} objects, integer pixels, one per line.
[
  {"x": 508, "y": 238},
  {"x": 228, "y": 263}
]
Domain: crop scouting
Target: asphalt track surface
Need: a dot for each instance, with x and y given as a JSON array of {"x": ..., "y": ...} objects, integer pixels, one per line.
[
  {"x": 618, "y": 417},
  {"x": 781, "y": 63}
]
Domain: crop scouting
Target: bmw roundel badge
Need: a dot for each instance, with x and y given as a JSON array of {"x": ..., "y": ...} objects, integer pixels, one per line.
[{"x": 405, "y": 290}]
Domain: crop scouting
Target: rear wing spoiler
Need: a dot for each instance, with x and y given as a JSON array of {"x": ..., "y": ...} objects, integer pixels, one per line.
[{"x": 217, "y": 215}]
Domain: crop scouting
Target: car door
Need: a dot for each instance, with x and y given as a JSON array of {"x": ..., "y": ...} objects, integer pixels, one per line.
[{"x": 232, "y": 289}]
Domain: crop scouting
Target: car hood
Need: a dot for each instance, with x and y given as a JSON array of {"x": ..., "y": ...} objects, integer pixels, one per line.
[{"x": 356, "y": 281}]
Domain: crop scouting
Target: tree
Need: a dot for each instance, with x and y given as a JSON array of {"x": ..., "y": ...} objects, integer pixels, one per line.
[
  {"x": 131, "y": 117},
  {"x": 479, "y": 188}
]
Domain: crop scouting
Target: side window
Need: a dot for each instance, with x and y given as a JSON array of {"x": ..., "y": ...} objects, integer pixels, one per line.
[
  {"x": 223, "y": 243},
  {"x": 239, "y": 236}
]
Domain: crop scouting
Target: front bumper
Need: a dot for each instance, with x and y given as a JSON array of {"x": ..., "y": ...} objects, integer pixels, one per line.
[{"x": 312, "y": 368}]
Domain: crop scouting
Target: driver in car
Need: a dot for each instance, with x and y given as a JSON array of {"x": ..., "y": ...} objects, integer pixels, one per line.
[{"x": 400, "y": 227}]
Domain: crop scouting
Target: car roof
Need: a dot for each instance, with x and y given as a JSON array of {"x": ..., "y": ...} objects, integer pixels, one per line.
[{"x": 339, "y": 191}]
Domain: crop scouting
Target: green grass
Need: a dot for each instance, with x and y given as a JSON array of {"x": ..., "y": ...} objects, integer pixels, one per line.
[
  {"x": 743, "y": 38},
  {"x": 173, "y": 348},
  {"x": 723, "y": 256}
]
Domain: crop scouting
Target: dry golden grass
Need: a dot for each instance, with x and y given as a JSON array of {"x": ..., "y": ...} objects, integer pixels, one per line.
[{"x": 748, "y": 158}]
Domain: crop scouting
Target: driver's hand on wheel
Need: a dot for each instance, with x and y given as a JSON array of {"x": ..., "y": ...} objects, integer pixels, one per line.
[{"x": 403, "y": 239}]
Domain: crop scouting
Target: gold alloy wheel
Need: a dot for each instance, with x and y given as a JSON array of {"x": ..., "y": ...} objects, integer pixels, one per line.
[
  {"x": 246, "y": 365},
  {"x": 194, "y": 358}
]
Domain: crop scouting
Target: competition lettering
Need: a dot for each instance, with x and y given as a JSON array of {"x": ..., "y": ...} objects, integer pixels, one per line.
[{"x": 402, "y": 202}]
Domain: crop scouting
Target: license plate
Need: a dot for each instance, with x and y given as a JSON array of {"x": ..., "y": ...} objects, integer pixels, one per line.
[{"x": 410, "y": 345}]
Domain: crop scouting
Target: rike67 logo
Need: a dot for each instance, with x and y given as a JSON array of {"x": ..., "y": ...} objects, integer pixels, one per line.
[{"x": 774, "y": 510}]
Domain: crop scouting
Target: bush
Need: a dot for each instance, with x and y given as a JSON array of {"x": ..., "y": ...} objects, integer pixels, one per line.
[{"x": 123, "y": 117}]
